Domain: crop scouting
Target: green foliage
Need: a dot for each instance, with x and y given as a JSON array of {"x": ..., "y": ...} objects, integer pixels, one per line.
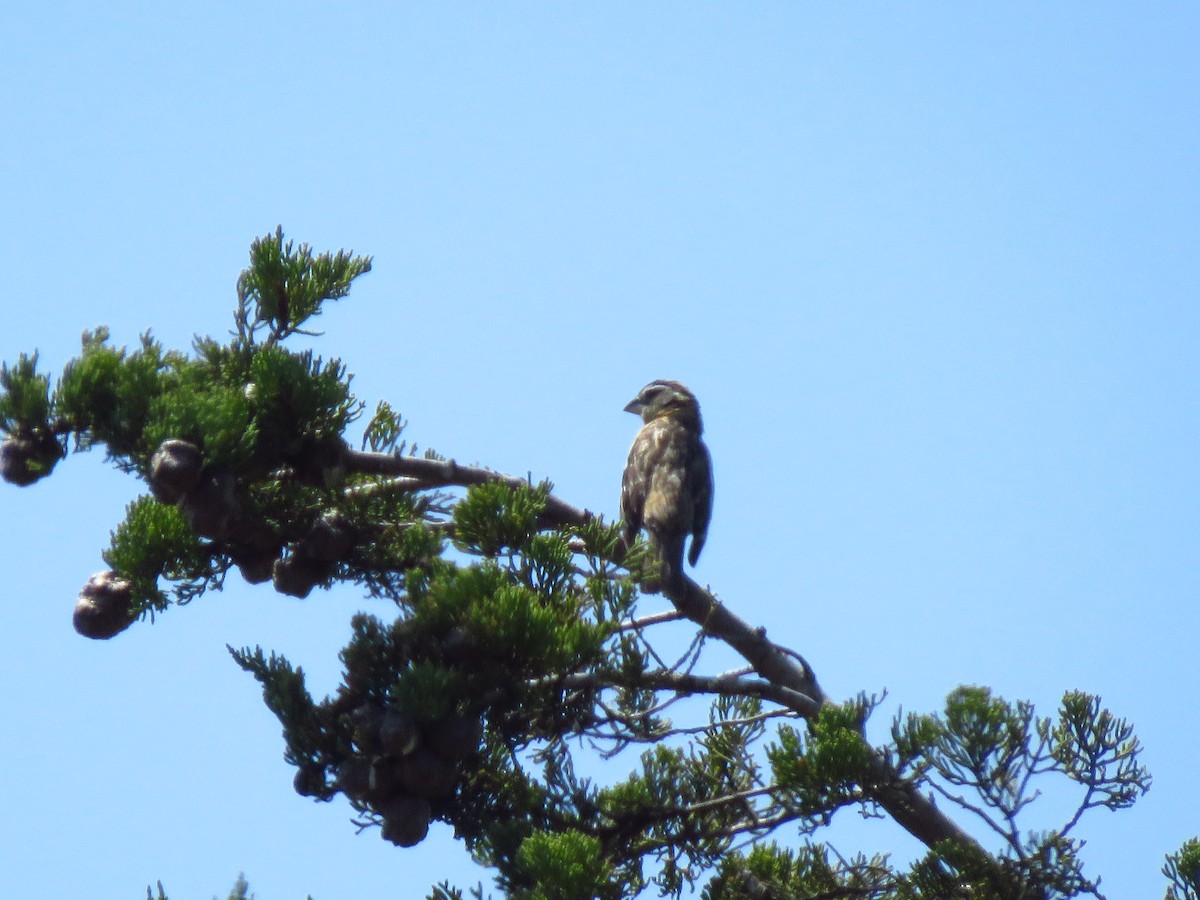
[
  {"x": 991, "y": 751},
  {"x": 34, "y": 446},
  {"x": 984, "y": 744},
  {"x": 252, "y": 411},
  {"x": 688, "y": 803},
  {"x": 825, "y": 770},
  {"x": 521, "y": 627},
  {"x": 106, "y": 394},
  {"x": 382, "y": 432},
  {"x": 494, "y": 517},
  {"x": 600, "y": 541},
  {"x": 429, "y": 692},
  {"x": 398, "y": 547},
  {"x": 1182, "y": 870},
  {"x": 446, "y": 891},
  {"x": 155, "y": 541},
  {"x": 913, "y": 740},
  {"x": 207, "y": 410},
  {"x": 952, "y": 871},
  {"x": 285, "y": 286},
  {"x": 25, "y": 402},
  {"x": 769, "y": 870},
  {"x": 369, "y": 658},
  {"x": 285, "y": 695},
  {"x": 565, "y": 865},
  {"x": 1099, "y": 751},
  {"x": 298, "y": 396},
  {"x": 240, "y": 890},
  {"x": 997, "y": 748}
]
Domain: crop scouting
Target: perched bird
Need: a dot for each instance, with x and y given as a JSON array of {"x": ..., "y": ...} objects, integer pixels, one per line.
[{"x": 667, "y": 487}]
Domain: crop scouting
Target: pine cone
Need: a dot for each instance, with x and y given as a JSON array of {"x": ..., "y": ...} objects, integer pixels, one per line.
[
  {"x": 104, "y": 608},
  {"x": 174, "y": 470},
  {"x": 405, "y": 820}
]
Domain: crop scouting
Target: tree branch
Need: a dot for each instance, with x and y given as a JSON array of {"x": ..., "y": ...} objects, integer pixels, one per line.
[
  {"x": 786, "y": 671},
  {"x": 434, "y": 473}
]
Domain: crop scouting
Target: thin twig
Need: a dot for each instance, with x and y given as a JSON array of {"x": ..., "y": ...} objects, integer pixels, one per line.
[{"x": 667, "y": 615}]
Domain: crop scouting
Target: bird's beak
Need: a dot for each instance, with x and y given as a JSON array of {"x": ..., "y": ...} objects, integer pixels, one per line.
[{"x": 634, "y": 406}]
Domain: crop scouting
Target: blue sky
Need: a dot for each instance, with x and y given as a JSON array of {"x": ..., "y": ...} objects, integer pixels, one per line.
[{"x": 930, "y": 269}]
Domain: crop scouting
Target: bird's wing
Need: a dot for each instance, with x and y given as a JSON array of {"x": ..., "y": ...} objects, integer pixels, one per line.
[
  {"x": 702, "y": 483},
  {"x": 635, "y": 483}
]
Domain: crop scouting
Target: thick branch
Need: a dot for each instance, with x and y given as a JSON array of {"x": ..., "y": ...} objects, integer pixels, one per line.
[
  {"x": 424, "y": 474},
  {"x": 767, "y": 659},
  {"x": 915, "y": 812}
]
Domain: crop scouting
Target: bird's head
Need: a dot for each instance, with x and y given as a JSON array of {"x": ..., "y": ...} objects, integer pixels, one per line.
[{"x": 665, "y": 398}]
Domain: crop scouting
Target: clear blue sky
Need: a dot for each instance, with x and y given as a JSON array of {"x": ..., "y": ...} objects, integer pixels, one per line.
[{"x": 930, "y": 268}]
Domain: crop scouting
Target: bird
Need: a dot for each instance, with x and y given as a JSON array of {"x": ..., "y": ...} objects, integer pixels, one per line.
[{"x": 667, "y": 486}]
